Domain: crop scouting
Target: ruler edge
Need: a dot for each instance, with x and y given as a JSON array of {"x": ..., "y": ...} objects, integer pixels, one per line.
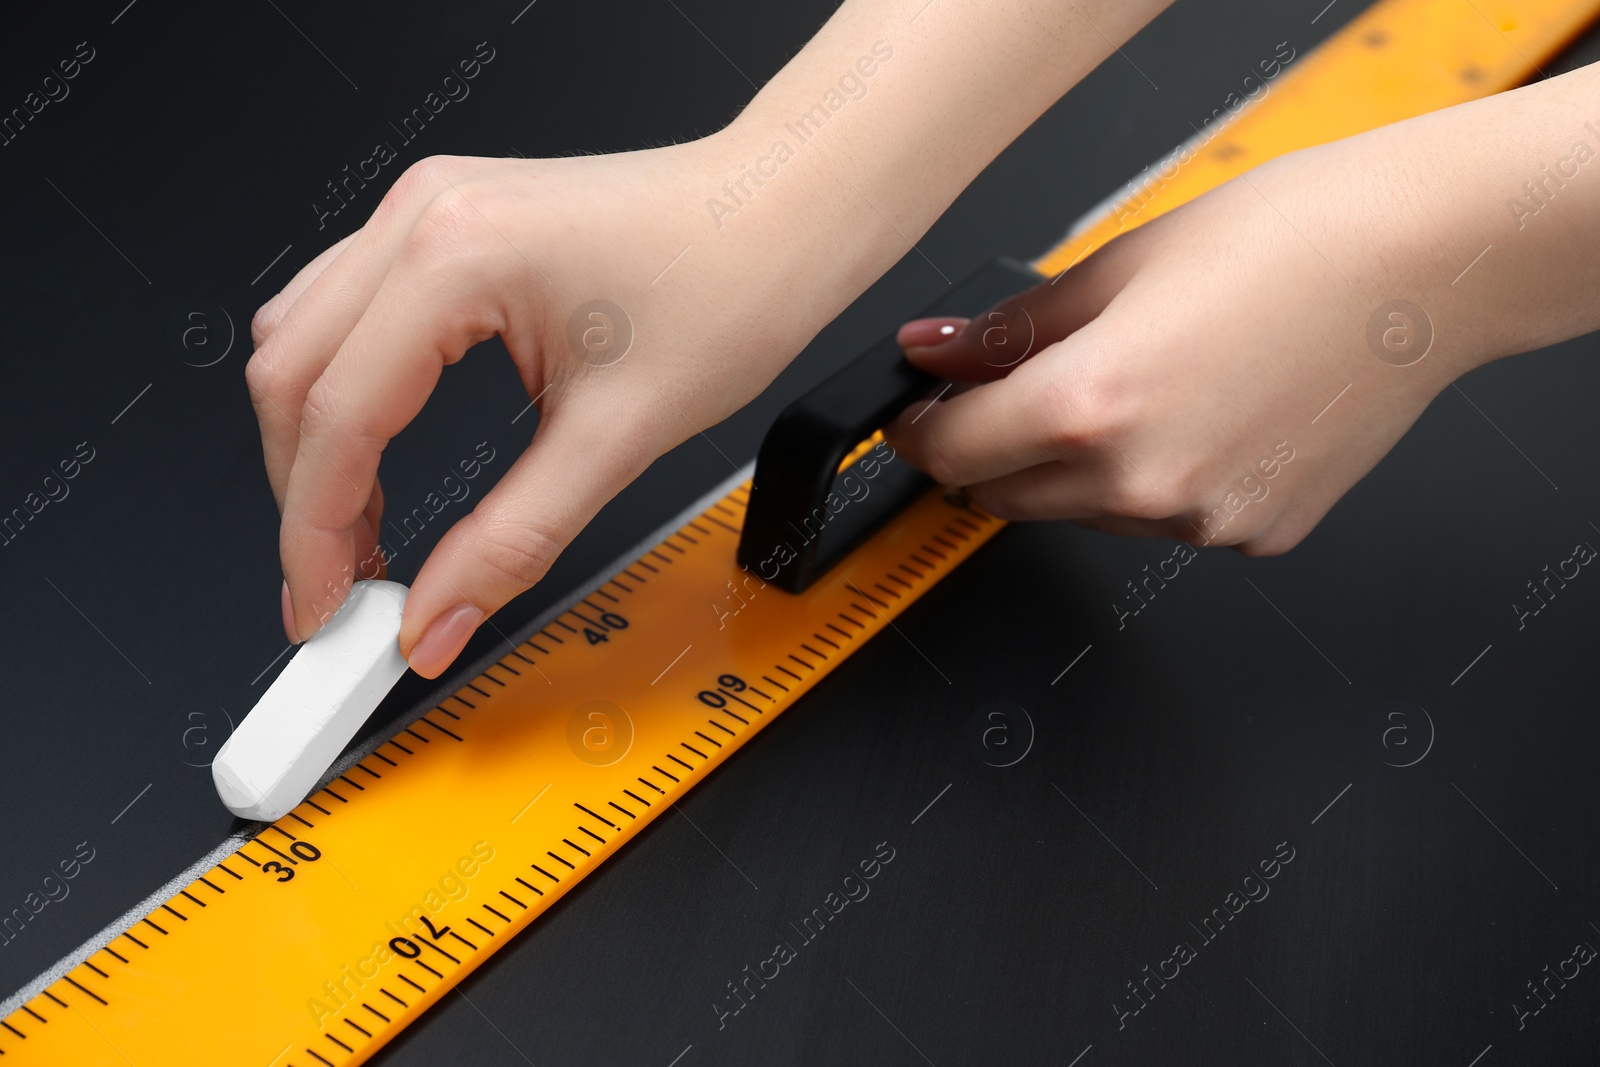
[{"x": 218, "y": 853}]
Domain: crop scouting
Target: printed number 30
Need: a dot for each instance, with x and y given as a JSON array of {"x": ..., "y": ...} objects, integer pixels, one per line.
[{"x": 303, "y": 849}]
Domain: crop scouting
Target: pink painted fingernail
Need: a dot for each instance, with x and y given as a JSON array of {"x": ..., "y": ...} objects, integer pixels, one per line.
[
  {"x": 927, "y": 333},
  {"x": 288, "y": 616},
  {"x": 444, "y": 639}
]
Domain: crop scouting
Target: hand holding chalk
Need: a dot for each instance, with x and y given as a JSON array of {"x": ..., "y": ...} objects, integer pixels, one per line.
[{"x": 313, "y": 709}]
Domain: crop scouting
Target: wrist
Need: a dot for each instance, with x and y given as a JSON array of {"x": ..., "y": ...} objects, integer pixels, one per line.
[
  {"x": 766, "y": 196},
  {"x": 1505, "y": 194}
]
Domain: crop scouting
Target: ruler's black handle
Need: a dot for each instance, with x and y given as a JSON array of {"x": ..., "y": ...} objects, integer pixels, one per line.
[{"x": 804, "y": 513}]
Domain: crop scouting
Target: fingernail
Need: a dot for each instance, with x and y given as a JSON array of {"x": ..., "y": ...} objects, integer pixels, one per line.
[
  {"x": 444, "y": 639},
  {"x": 288, "y": 616},
  {"x": 928, "y": 333}
]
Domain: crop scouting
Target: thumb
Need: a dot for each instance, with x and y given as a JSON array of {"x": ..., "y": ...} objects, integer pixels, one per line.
[
  {"x": 509, "y": 541},
  {"x": 989, "y": 346}
]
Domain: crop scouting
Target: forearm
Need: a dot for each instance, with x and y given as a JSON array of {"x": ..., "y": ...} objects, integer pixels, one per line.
[
  {"x": 852, "y": 151},
  {"x": 1531, "y": 160},
  {"x": 1486, "y": 215}
]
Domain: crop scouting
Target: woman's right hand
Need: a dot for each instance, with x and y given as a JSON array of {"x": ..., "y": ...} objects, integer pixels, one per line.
[{"x": 633, "y": 324}]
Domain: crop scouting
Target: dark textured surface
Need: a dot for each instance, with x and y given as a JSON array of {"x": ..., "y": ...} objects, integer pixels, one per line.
[{"x": 1175, "y": 755}]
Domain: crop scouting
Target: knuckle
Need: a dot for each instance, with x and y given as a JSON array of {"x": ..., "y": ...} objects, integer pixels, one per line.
[
  {"x": 521, "y": 552},
  {"x": 1074, "y": 411},
  {"x": 320, "y": 412},
  {"x": 439, "y": 228},
  {"x": 263, "y": 377},
  {"x": 933, "y": 459},
  {"x": 264, "y": 321},
  {"x": 452, "y": 232},
  {"x": 1274, "y": 539},
  {"x": 1087, "y": 397},
  {"x": 424, "y": 178},
  {"x": 1156, "y": 497}
]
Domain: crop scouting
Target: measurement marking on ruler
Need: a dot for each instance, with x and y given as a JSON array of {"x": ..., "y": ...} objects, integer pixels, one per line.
[
  {"x": 713, "y": 844},
  {"x": 531, "y": 803},
  {"x": 131, "y": 803},
  {"x": 673, "y": 664},
  {"x": 1102, "y": 833},
  {"x": 1331, "y": 803},
  {"x": 931, "y": 803},
  {"x": 679, "y": 1056},
  {"x": 1473, "y": 664},
  {"x": 1071, "y": 665}
]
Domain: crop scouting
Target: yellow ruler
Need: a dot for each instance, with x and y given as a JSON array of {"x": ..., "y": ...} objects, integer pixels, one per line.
[
  {"x": 323, "y": 936},
  {"x": 341, "y": 923}
]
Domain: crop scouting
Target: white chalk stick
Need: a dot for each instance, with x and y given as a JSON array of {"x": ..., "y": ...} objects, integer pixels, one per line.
[{"x": 312, "y": 710}]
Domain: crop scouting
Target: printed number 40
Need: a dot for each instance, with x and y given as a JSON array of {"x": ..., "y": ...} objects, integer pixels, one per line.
[{"x": 609, "y": 620}]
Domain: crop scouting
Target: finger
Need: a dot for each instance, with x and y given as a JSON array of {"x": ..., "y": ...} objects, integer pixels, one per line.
[
  {"x": 305, "y": 339},
  {"x": 989, "y": 430},
  {"x": 1067, "y": 490},
  {"x": 271, "y": 313},
  {"x": 1096, "y": 489},
  {"x": 373, "y": 512},
  {"x": 376, "y": 384},
  {"x": 1124, "y": 527},
  {"x": 989, "y": 346},
  {"x": 369, "y": 555},
  {"x": 576, "y": 463}
]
